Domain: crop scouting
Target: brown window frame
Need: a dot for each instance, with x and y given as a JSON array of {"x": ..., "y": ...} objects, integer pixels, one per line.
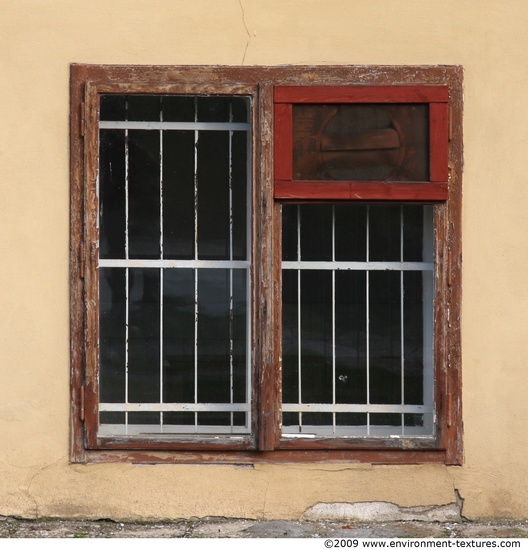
[{"x": 272, "y": 88}]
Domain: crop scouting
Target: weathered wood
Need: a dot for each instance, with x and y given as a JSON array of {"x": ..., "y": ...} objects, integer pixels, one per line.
[
  {"x": 371, "y": 191},
  {"x": 369, "y": 456},
  {"x": 283, "y": 144},
  {"x": 428, "y": 84},
  {"x": 361, "y": 94},
  {"x": 268, "y": 386},
  {"x": 77, "y": 79},
  {"x": 438, "y": 141}
]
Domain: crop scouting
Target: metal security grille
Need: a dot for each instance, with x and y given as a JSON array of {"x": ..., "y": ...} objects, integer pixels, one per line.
[
  {"x": 357, "y": 320},
  {"x": 174, "y": 277}
]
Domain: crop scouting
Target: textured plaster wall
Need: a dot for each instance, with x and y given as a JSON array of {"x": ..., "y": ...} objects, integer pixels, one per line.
[{"x": 38, "y": 41}]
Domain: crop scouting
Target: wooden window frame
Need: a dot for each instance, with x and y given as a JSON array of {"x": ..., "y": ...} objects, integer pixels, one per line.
[{"x": 262, "y": 82}]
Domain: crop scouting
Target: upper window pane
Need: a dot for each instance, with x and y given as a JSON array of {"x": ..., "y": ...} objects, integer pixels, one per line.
[
  {"x": 173, "y": 177},
  {"x": 353, "y": 142}
]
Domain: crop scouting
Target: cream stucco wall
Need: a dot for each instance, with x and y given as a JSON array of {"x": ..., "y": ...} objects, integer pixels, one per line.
[{"x": 38, "y": 41}]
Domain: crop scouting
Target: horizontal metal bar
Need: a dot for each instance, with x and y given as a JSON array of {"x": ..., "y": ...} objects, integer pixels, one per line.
[
  {"x": 343, "y": 432},
  {"x": 158, "y": 125},
  {"x": 360, "y": 266},
  {"x": 235, "y": 433},
  {"x": 174, "y": 407},
  {"x": 189, "y": 264},
  {"x": 345, "y": 408}
]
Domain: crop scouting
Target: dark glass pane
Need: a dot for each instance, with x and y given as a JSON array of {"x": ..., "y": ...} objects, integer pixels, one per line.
[
  {"x": 289, "y": 232},
  {"x": 178, "y": 335},
  {"x": 112, "y": 335},
  {"x": 143, "y": 107},
  {"x": 350, "y": 336},
  {"x": 385, "y": 337},
  {"x": 414, "y": 420},
  {"x": 376, "y": 142},
  {"x": 385, "y": 419},
  {"x": 213, "y": 336},
  {"x": 213, "y": 109},
  {"x": 178, "y": 195},
  {"x": 316, "y": 232},
  {"x": 316, "y": 336},
  {"x": 152, "y": 418},
  {"x": 240, "y": 109},
  {"x": 113, "y": 107},
  {"x": 183, "y": 418},
  {"x": 213, "y": 195},
  {"x": 413, "y": 337},
  {"x": 178, "y": 108},
  {"x": 214, "y": 419},
  {"x": 317, "y": 419},
  {"x": 290, "y": 337},
  {"x": 144, "y": 335},
  {"x": 384, "y": 233},
  {"x": 413, "y": 222},
  {"x": 239, "y": 184},
  {"x": 144, "y": 194},
  {"x": 351, "y": 419},
  {"x": 350, "y": 232},
  {"x": 290, "y": 419},
  {"x": 112, "y": 417},
  {"x": 112, "y": 194}
]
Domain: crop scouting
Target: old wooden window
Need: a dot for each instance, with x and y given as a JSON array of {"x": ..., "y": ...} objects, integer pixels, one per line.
[{"x": 266, "y": 266}]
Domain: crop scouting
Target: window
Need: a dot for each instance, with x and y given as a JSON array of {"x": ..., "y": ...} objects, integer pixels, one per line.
[{"x": 266, "y": 264}]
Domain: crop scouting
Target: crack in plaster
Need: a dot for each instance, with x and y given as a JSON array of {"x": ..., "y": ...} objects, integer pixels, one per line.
[
  {"x": 265, "y": 502},
  {"x": 28, "y": 489},
  {"x": 458, "y": 497},
  {"x": 246, "y": 29}
]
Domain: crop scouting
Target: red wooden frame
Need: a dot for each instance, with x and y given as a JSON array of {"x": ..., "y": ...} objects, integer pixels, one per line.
[
  {"x": 286, "y": 187},
  {"x": 276, "y": 90}
]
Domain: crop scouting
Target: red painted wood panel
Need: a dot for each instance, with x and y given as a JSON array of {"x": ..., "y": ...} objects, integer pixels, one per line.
[
  {"x": 283, "y": 138},
  {"x": 317, "y": 190},
  {"x": 361, "y": 94},
  {"x": 438, "y": 141}
]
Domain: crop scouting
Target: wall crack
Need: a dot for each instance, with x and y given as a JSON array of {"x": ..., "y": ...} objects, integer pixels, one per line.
[
  {"x": 246, "y": 29},
  {"x": 28, "y": 490}
]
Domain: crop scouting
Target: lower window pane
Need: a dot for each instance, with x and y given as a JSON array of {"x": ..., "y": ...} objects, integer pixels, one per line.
[{"x": 357, "y": 334}]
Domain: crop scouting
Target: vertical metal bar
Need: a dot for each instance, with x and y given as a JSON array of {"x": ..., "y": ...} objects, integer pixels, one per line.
[
  {"x": 299, "y": 327},
  {"x": 367, "y": 320},
  {"x": 161, "y": 256},
  {"x": 127, "y": 274},
  {"x": 333, "y": 324},
  {"x": 402, "y": 328},
  {"x": 196, "y": 138},
  {"x": 231, "y": 312}
]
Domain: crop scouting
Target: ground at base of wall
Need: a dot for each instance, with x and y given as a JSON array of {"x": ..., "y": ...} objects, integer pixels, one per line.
[{"x": 241, "y": 528}]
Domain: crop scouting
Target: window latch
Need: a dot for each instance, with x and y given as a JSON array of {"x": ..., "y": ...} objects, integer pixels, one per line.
[
  {"x": 81, "y": 260},
  {"x": 81, "y": 410},
  {"x": 82, "y": 126}
]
